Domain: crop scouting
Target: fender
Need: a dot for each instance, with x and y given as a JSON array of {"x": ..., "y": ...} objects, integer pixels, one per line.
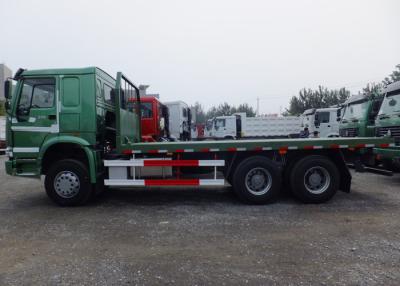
[{"x": 71, "y": 140}]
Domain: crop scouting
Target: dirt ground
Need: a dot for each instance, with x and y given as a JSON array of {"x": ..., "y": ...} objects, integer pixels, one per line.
[{"x": 200, "y": 237}]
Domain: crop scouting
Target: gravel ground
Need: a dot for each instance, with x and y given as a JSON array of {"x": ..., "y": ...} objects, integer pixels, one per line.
[{"x": 197, "y": 237}]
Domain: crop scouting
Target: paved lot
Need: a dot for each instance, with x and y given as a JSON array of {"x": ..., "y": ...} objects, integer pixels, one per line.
[{"x": 190, "y": 237}]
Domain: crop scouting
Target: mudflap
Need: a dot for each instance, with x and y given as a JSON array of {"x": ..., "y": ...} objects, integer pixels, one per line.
[{"x": 345, "y": 175}]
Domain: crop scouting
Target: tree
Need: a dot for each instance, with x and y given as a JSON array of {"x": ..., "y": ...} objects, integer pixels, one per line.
[
  {"x": 319, "y": 98},
  {"x": 198, "y": 111},
  {"x": 244, "y": 107},
  {"x": 394, "y": 76}
]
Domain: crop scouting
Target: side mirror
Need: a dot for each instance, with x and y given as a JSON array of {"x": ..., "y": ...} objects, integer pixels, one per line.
[
  {"x": 7, "y": 105},
  {"x": 338, "y": 119},
  {"x": 7, "y": 89}
]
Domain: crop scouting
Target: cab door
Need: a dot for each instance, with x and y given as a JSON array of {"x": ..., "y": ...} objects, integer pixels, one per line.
[
  {"x": 323, "y": 124},
  {"x": 35, "y": 115},
  {"x": 127, "y": 113}
]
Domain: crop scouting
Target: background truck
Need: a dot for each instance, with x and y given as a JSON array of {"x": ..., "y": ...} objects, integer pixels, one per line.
[
  {"x": 180, "y": 119},
  {"x": 359, "y": 114},
  {"x": 2, "y": 134},
  {"x": 323, "y": 120},
  {"x": 154, "y": 119},
  {"x": 238, "y": 126},
  {"x": 388, "y": 124},
  {"x": 80, "y": 129}
]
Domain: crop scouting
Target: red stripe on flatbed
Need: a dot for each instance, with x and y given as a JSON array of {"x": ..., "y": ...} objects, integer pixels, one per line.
[
  {"x": 179, "y": 182},
  {"x": 309, "y": 147},
  {"x": 153, "y": 151},
  {"x": 334, "y": 146},
  {"x": 258, "y": 149},
  {"x": 127, "y": 152},
  {"x": 179, "y": 150},
  {"x": 384, "y": 145},
  {"x": 205, "y": 150},
  {"x": 360, "y": 146},
  {"x": 231, "y": 149},
  {"x": 173, "y": 163}
]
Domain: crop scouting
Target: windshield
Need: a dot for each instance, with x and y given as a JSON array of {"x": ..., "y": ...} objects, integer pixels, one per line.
[
  {"x": 391, "y": 104},
  {"x": 355, "y": 111}
]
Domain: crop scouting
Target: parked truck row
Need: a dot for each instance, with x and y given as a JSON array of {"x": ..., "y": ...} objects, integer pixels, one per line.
[{"x": 82, "y": 130}]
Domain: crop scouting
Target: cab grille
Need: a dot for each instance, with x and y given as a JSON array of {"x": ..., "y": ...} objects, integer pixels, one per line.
[{"x": 394, "y": 131}]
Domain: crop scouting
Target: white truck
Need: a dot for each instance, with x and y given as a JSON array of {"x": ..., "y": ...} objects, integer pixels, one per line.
[
  {"x": 240, "y": 126},
  {"x": 180, "y": 118},
  {"x": 323, "y": 120},
  {"x": 2, "y": 134}
]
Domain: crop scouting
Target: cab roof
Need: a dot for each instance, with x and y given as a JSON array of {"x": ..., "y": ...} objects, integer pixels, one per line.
[
  {"x": 66, "y": 71},
  {"x": 393, "y": 87},
  {"x": 356, "y": 98}
]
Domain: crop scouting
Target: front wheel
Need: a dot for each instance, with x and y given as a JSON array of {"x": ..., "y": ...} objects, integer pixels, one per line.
[
  {"x": 257, "y": 180},
  {"x": 314, "y": 179},
  {"x": 67, "y": 183}
]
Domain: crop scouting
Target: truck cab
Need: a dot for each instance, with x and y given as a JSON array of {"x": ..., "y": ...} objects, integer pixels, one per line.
[
  {"x": 67, "y": 113},
  {"x": 154, "y": 119},
  {"x": 180, "y": 119},
  {"x": 388, "y": 120},
  {"x": 323, "y": 120},
  {"x": 359, "y": 113},
  {"x": 388, "y": 125}
]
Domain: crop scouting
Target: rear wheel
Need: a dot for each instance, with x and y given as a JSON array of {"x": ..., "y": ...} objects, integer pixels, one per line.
[
  {"x": 67, "y": 183},
  {"x": 257, "y": 180},
  {"x": 314, "y": 179}
]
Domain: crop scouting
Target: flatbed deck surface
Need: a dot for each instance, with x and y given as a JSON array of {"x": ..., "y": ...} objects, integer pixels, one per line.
[{"x": 258, "y": 145}]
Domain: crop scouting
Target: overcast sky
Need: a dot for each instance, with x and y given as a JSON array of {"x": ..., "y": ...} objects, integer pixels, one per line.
[{"x": 210, "y": 51}]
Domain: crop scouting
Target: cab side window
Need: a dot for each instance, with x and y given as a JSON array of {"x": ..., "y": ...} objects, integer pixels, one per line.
[
  {"x": 323, "y": 117},
  {"x": 36, "y": 93}
]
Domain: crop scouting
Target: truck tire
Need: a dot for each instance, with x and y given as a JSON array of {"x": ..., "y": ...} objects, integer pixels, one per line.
[
  {"x": 67, "y": 183},
  {"x": 314, "y": 179},
  {"x": 257, "y": 180}
]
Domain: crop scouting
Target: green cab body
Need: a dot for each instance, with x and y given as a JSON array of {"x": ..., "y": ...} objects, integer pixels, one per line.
[{"x": 60, "y": 112}]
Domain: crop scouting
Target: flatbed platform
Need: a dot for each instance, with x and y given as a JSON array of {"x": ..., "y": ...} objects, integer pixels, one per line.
[{"x": 257, "y": 145}]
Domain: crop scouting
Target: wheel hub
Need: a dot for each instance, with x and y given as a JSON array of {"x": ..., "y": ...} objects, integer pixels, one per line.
[
  {"x": 317, "y": 180},
  {"x": 66, "y": 184},
  {"x": 258, "y": 181}
]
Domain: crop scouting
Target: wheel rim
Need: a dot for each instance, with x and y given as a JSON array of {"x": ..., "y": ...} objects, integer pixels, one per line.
[
  {"x": 66, "y": 184},
  {"x": 258, "y": 181},
  {"x": 317, "y": 180}
]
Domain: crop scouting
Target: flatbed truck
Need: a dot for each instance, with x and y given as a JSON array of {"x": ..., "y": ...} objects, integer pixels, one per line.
[{"x": 80, "y": 129}]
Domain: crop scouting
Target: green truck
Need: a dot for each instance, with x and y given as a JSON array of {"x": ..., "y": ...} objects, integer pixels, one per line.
[
  {"x": 80, "y": 129},
  {"x": 358, "y": 115},
  {"x": 388, "y": 124}
]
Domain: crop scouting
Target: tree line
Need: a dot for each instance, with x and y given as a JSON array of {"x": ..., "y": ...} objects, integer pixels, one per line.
[
  {"x": 202, "y": 115},
  {"x": 323, "y": 97},
  {"x": 307, "y": 98}
]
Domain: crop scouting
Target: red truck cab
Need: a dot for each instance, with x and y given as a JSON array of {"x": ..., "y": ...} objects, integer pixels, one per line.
[{"x": 154, "y": 119}]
